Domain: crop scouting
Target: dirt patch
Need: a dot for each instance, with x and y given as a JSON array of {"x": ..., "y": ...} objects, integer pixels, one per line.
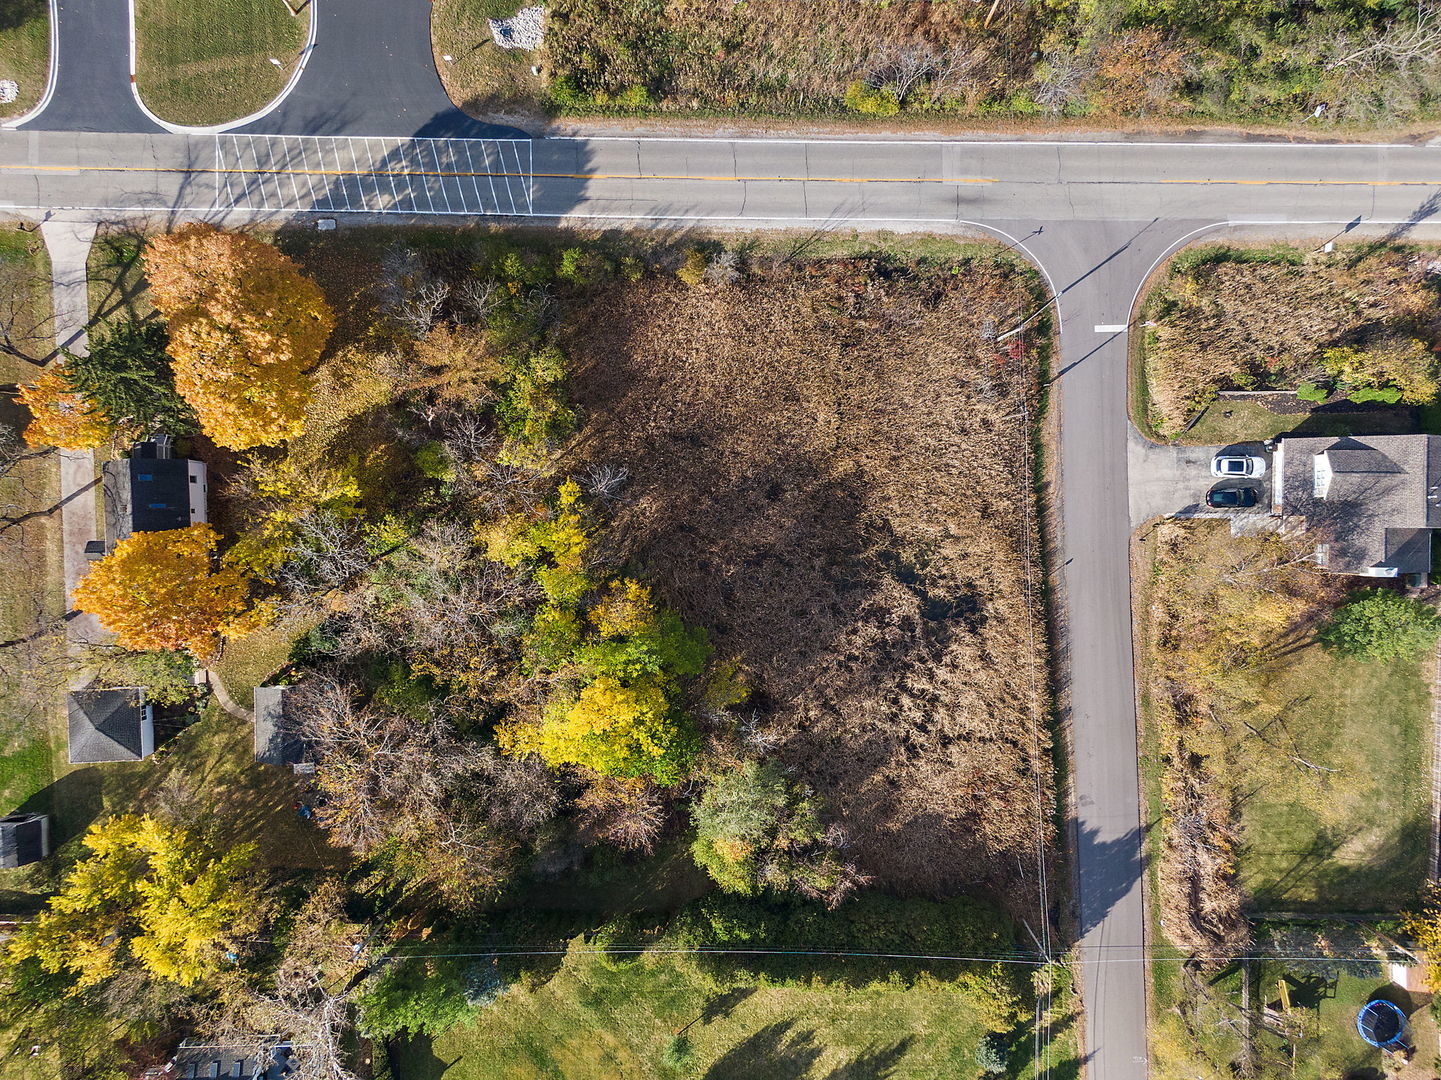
[{"x": 831, "y": 472}]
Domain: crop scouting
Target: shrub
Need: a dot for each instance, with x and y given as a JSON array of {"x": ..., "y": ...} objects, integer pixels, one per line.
[
  {"x": 692, "y": 271},
  {"x": 1309, "y": 391},
  {"x": 991, "y": 1055},
  {"x": 1379, "y": 624},
  {"x": 419, "y": 997},
  {"x": 756, "y": 829},
  {"x": 678, "y": 1054},
  {"x": 872, "y": 101}
]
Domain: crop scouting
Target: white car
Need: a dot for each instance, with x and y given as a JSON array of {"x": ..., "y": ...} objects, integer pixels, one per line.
[{"x": 1238, "y": 466}]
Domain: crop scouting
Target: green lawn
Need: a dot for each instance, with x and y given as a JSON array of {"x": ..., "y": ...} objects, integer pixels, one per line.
[
  {"x": 24, "y": 51},
  {"x": 32, "y": 581},
  {"x": 1363, "y": 847},
  {"x": 208, "y": 61},
  {"x": 1226, "y": 422},
  {"x": 599, "y": 1017},
  {"x": 117, "y": 279}
]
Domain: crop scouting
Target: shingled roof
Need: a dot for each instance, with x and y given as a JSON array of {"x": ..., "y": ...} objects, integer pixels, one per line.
[
  {"x": 110, "y": 725},
  {"x": 1376, "y": 496}
]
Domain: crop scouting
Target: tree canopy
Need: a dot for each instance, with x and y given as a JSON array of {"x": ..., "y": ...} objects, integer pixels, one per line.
[
  {"x": 158, "y": 590},
  {"x": 61, "y": 416},
  {"x": 126, "y": 375},
  {"x": 245, "y": 328},
  {"x": 1379, "y": 624},
  {"x": 157, "y": 896}
]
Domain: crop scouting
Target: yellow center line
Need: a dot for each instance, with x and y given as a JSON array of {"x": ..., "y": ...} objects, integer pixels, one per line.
[{"x": 442, "y": 174}]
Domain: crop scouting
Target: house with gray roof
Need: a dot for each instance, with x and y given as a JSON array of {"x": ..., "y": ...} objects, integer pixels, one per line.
[
  {"x": 117, "y": 724},
  {"x": 260, "y": 1060},
  {"x": 24, "y": 839},
  {"x": 151, "y": 491},
  {"x": 1373, "y": 500}
]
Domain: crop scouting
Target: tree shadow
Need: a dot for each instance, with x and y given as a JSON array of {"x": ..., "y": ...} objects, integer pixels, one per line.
[
  {"x": 779, "y": 1050},
  {"x": 1108, "y": 870}
]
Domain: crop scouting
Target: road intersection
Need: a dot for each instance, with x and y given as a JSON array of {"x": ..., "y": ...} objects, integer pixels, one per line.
[{"x": 1096, "y": 217}]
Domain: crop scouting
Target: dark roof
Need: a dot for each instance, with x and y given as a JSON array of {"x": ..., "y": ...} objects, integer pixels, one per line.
[
  {"x": 24, "y": 839},
  {"x": 145, "y": 495},
  {"x": 106, "y": 725},
  {"x": 275, "y": 739},
  {"x": 1377, "y": 506},
  {"x": 232, "y": 1061}
]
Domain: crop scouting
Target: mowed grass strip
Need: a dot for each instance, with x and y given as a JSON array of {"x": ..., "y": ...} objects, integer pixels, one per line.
[
  {"x": 598, "y": 1018},
  {"x": 208, "y": 61},
  {"x": 24, "y": 51},
  {"x": 32, "y": 590}
]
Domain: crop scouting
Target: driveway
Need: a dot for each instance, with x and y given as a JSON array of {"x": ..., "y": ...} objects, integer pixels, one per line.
[{"x": 1172, "y": 481}]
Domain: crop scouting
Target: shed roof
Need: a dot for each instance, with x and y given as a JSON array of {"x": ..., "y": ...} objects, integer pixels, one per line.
[
  {"x": 275, "y": 740},
  {"x": 24, "y": 839}
]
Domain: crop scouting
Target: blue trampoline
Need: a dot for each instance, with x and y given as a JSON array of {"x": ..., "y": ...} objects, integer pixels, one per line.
[{"x": 1382, "y": 1024}]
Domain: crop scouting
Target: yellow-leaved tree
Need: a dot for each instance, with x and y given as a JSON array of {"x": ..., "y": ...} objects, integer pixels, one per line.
[
  {"x": 617, "y": 730},
  {"x": 245, "y": 328},
  {"x": 163, "y": 897},
  {"x": 161, "y": 590},
  {"x": 60, "y": 416}
]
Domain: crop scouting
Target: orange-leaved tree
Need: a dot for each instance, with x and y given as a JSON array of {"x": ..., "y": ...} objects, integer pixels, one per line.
[
  {"x": 245, "y": 328},
  {"x": 61, "y": 416},
  {"x": 161, "y": 590}
]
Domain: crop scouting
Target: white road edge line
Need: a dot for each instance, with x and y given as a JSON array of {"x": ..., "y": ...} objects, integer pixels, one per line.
[{"x": 1111, "y": 328}]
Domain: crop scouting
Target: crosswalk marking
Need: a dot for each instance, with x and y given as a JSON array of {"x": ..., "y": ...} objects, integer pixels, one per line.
[{"x": 373, "y": 175}]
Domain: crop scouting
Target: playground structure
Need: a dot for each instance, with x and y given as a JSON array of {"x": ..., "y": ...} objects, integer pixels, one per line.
[{"x": 1382, "y": 1024}]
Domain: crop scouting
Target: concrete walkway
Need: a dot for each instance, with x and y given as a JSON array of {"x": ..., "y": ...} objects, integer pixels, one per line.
[{"x": 69, "y": 246}]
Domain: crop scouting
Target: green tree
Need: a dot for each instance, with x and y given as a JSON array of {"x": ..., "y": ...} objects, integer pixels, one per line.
[
  {"x": 127, "y": 376},
  {"x": 1379, "y": 624},
  {"x": 414, "y": 996},
  {"x": 756, "y": 829}
]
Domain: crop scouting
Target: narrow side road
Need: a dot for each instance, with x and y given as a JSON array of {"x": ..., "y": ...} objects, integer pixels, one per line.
[{"x": 92, "y": 71}]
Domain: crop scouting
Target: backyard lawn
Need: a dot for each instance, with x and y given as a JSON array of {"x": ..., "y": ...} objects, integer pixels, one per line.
[
  {"x": 1363, "y": 846},
  {"x": 600, "y": 1017},
  {"x": 208, "y": 61},
  {"x": 24, "y": 51}
]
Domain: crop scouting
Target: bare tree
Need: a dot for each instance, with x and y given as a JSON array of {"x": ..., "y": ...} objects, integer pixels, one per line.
[
  {"x": 629, "y": 814},
  {"x": 604, "y": 480},
  {"x": 308, "y": 1003},
  {"x": 418, "y": 310},
  {"x": 1400, "y": 45}
]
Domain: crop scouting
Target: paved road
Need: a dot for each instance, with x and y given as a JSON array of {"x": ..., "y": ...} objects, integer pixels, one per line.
[
  {"x": 1096, "y": 217},
  {"x": 92, "y": 84},
  {"x": 373, "y": 75}
]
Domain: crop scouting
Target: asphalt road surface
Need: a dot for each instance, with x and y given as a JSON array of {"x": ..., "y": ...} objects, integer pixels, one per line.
[{"x": 1096, "y": 217}]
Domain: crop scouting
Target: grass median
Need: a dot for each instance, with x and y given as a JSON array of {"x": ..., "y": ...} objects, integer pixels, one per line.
[
  {"x": 24, "y": 52},
  {"x": 210, "y": 61}
]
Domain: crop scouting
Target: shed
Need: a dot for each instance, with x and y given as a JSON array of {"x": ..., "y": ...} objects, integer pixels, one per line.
[
  {"x": 275, "y": 739},
  {"x": 24, "y": 839},
  {"x": 110, "y": 725}
]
